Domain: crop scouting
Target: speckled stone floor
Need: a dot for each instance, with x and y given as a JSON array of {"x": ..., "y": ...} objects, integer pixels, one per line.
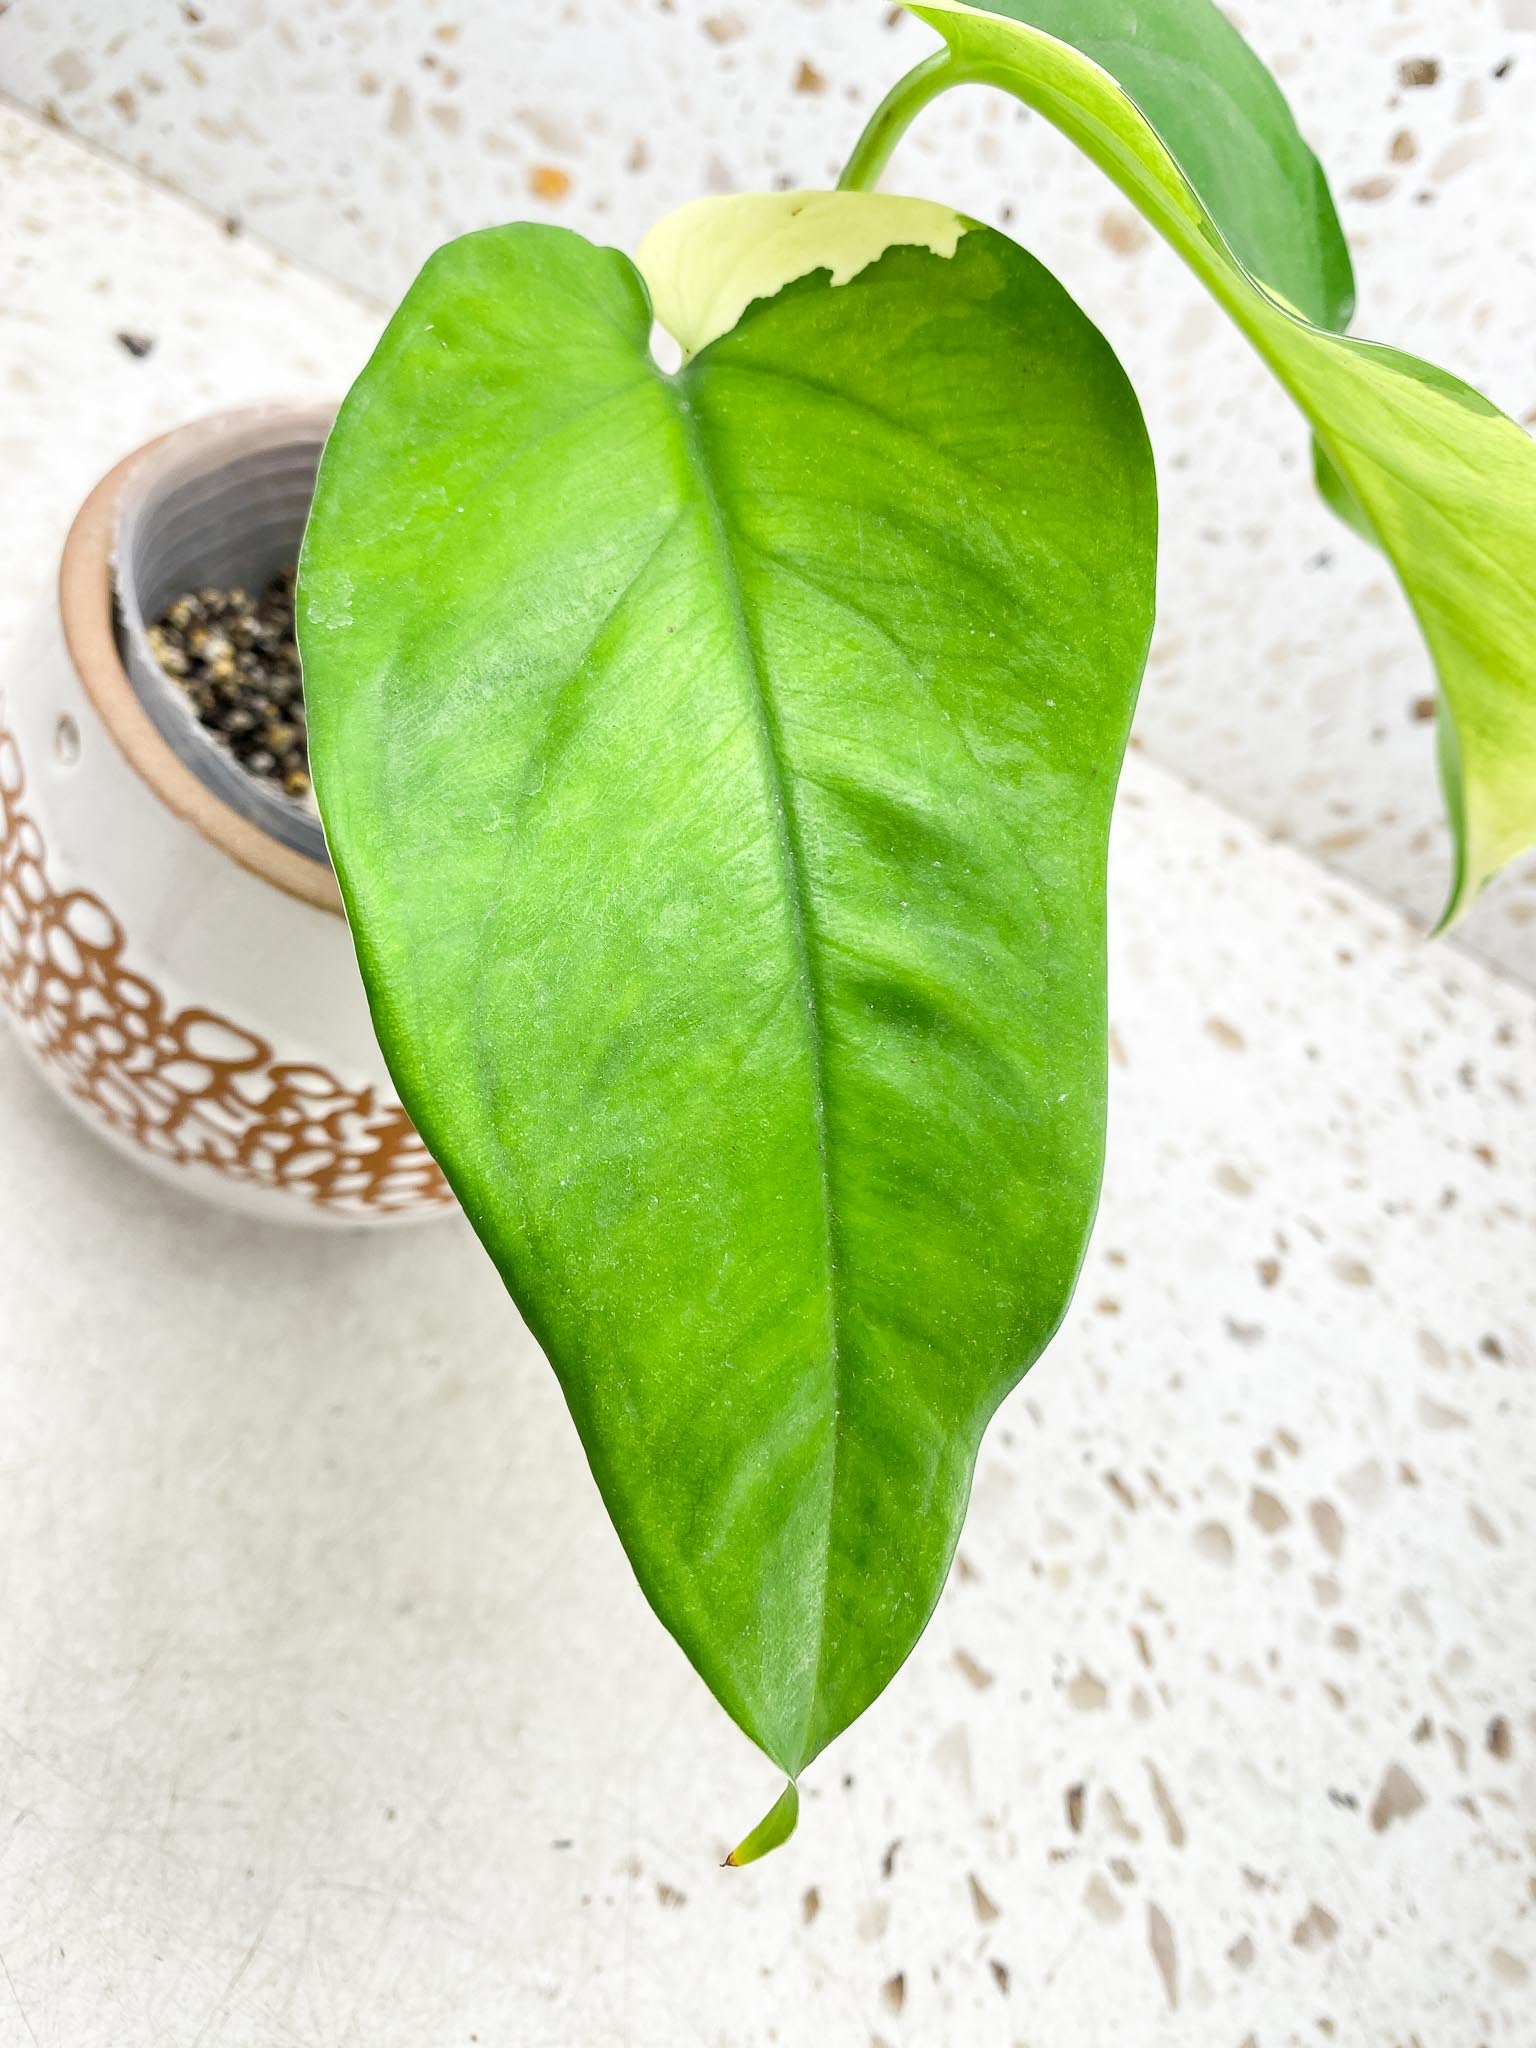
[{"x": 330, "y": 1714}]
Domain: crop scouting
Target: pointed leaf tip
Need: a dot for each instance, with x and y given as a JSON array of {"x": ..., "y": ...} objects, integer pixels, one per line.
[{"x": 771, "y": 1832}]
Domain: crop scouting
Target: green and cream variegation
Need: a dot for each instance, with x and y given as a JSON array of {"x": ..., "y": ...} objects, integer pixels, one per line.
[
  {"x": 718, "y": 769},
  {"x": 707, "y": 262},
  {"x": 1169, "y": 101}
]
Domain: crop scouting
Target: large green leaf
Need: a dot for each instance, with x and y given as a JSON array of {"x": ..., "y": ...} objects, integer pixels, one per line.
[
  {"x": 718, "y": 769},
  {"x": 1166, "y": 99}
]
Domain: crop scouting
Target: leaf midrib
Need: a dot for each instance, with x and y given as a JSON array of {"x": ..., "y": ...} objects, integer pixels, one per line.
[{"x": 802, "y": 924}]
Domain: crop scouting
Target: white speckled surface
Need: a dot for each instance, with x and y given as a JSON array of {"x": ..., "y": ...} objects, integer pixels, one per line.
[
  {"x": 1287, "y": 677},
  {"x": 329, "y": 1713}
]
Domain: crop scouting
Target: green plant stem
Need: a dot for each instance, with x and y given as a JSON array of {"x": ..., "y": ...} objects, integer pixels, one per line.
[{"x": 895, "y": 114}]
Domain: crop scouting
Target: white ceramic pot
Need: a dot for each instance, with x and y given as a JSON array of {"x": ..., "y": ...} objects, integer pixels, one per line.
[{"x": 182, "y": 976}]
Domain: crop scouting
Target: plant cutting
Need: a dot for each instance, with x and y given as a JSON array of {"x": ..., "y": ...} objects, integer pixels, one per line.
[{"x": 718, "y": 768}]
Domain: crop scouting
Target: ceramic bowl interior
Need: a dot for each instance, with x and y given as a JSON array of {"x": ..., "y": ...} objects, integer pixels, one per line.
[{"x": 224, "y": 511}]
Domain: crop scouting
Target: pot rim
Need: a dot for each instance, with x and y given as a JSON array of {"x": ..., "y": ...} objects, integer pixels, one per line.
[{"x": 86, "y": 602}]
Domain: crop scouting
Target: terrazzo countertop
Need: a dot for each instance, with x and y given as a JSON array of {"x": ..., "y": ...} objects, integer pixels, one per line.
[
  {"x": 1287, "y": 677},
  {"x": 330, "y": 1714}
]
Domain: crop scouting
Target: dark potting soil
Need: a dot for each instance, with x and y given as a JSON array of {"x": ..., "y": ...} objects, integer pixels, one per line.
[{"x": 236, "y": 660}]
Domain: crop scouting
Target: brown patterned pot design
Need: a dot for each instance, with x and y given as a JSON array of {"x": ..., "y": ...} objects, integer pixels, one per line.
[{"x": 186, "y": 983}]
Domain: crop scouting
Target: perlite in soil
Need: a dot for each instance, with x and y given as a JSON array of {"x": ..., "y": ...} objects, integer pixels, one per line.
[{"x": 235, "y": 659}]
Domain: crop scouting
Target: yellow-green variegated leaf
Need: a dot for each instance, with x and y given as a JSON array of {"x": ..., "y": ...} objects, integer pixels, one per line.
[
  {"x": 707, "y": 262},
  {"x": 1443, "y": 480},
  {"x": 718, "y": 769}
]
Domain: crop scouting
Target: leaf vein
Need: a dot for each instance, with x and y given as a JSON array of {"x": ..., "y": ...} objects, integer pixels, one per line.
[{"x": 793, "y": 864}]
